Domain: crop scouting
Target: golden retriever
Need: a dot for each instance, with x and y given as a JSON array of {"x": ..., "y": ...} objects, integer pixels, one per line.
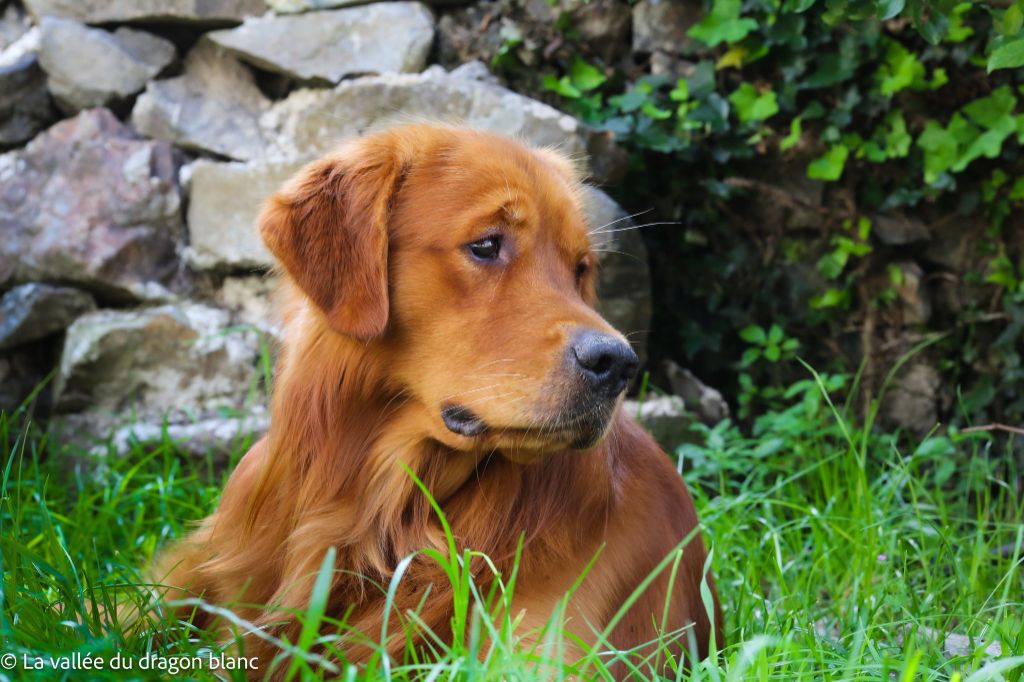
[{"x": 438, "y": 315}]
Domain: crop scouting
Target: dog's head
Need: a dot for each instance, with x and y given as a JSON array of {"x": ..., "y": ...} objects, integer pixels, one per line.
[{"x": 464, "y": 260}]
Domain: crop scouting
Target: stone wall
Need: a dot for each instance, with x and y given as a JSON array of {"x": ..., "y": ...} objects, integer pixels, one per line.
[{"x": 140, "y": 138}]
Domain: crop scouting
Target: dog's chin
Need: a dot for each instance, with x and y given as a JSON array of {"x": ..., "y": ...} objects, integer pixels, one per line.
[{"x": 573, "y": 430}]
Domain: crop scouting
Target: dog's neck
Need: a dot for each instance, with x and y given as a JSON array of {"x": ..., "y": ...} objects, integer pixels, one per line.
[{"x": 351, "y": 440}]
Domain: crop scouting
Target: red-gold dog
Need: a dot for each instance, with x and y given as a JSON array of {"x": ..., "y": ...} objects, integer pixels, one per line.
[{"x": 438, "y": 314}]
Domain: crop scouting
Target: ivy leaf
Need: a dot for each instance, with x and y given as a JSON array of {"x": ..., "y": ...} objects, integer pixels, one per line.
[
  {"x": 887, "y": 9},
  {"x": 1007, "y": 56},
  {"x": 988, "y": 144},
  {"x": 651, "y": 109},
  {"x": 752, "y": 105},
  {"x": 723, "y": 24},
  {"x": 831, "y": 264},
  {"x": 795, "y": 131},
  {"x": 753, "y": 334},
  {"x": 561, "y": 86},
  {"x": 990, "y": 111},
  {"x": 930, "y": 21},
  {"x": 632, "y": 100},
  {"x": 833, "y": 298},
  {"x": 584, "y": 76},
  {"x": 901, "y": 69},
  {"x": 681, "y": 92},
  {"x": 940, "y": 150},
  {"x": 750, "y": 356},
  {"x": 1013, "y": 19},
  {"x": 897, "y": 139},
  {"x": 798, "y": 5},
  {"x": 830, "y": 165}
]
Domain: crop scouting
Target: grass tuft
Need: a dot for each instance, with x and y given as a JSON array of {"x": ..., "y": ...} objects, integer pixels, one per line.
[{"x": 841, "y": 552}]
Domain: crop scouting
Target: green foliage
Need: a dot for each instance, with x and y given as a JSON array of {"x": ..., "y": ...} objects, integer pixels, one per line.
[
  {"x": 897, "y": 107},
  {"x": 772, "y": 345},
  {"x": 839, "y": 555}
]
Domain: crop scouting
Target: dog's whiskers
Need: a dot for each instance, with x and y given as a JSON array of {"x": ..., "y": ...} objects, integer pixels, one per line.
[
  {"x": 638, "y": 227},
  {"x": 599, "y": 229}
]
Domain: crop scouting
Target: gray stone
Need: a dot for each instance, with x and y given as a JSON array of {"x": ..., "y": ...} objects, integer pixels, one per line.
[
  {"x": 913, "y": 398},
  {"x": 220, "y": 436},
  {"x": 179, "y": 362},
  {"x": 899, "y": 229},
  {"x": 249, "y": 299},
  {"x": 295, "y": 6},
  {"x": 624, "y": 279},
  {"x": 664, "y": 417},
  {"x": 309, "y": 122},
  {"x": 25, "y": 104},
  {"x": 214, "y": 107},
  {"x": 703, "y": 401},
  {"x": 33, "y": 311},
  {"x": 603, "y": 25},
  {"x": 477, "y": 32},
  {"x": 953, "y": 645},
  {"x": 662, "y": 25},
  {"x": 89, "y": 67},
  {"x": 327, "y": 46},
  {"x": 88, "y": 203},
  {"x": 915, "y": 302},
  {"x": 13, "y": 25},
  {"x": 204, "y": 12},
  {"x": 224, "y": 202},
  {"x": 474, "y": 70}
]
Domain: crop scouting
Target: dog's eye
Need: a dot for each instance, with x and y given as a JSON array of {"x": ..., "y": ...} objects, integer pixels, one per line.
[
  {"x": 486, "y": 249},
  {"x": 581, "y": 269}
]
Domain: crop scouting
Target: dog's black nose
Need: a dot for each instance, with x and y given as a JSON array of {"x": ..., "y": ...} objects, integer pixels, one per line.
[{"x": 607, "y": 362}]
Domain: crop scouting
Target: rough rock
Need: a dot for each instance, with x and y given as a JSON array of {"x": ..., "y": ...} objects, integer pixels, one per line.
[
  {"x": 603, "y": 25},
  {"x": 912, "y": 400},
  {"x": 205, "y": 12},
  {"x": 310, "y": 121},
  {"x": 662, "y": 25},
  {"x": 954, "y": 240},
  {"x": 474, "y": 32},
  {"x": 703, "y": 401},
  {"x": 88, "y": 203},
  {"x": 25, "y": 104},
  {"x": 13, "y": 25},
  {"x": 202, "y": 437},
  {"x": 33, "y": 311},
  {"x": 90, "y": 67},
  {"x": 181, "y": 362},
  {"x": 665, "y": 417},
  {"x": 915, "y": 302},
  {"x": 294, "y": 6},
  {"x": 624, "y": 279},
  {"x": 474, "y": 70},
  {"x": 213, "y": 107},
  {"x": 224, "y": 202},
  {"x": 953, "y": 644},
  {"x": 899, "y": 229},
  {"x": 250, "y": 300},
  {"x": 327, "y": 46}
]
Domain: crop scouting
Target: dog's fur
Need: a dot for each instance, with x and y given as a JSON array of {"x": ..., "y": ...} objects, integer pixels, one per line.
[{"x": 387, "y": 318}]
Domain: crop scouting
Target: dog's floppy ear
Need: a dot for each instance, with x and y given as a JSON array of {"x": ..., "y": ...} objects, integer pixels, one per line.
[{"x": 329, "y": 230}]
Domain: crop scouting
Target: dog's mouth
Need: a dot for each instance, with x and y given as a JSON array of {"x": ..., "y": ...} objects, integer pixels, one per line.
[
  {"x": 462, "y": 420},
  {"x": 576, "y": 430}
]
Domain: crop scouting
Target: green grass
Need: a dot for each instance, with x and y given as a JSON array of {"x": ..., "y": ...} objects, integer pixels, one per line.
[{"x": 841, "y": 553}]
